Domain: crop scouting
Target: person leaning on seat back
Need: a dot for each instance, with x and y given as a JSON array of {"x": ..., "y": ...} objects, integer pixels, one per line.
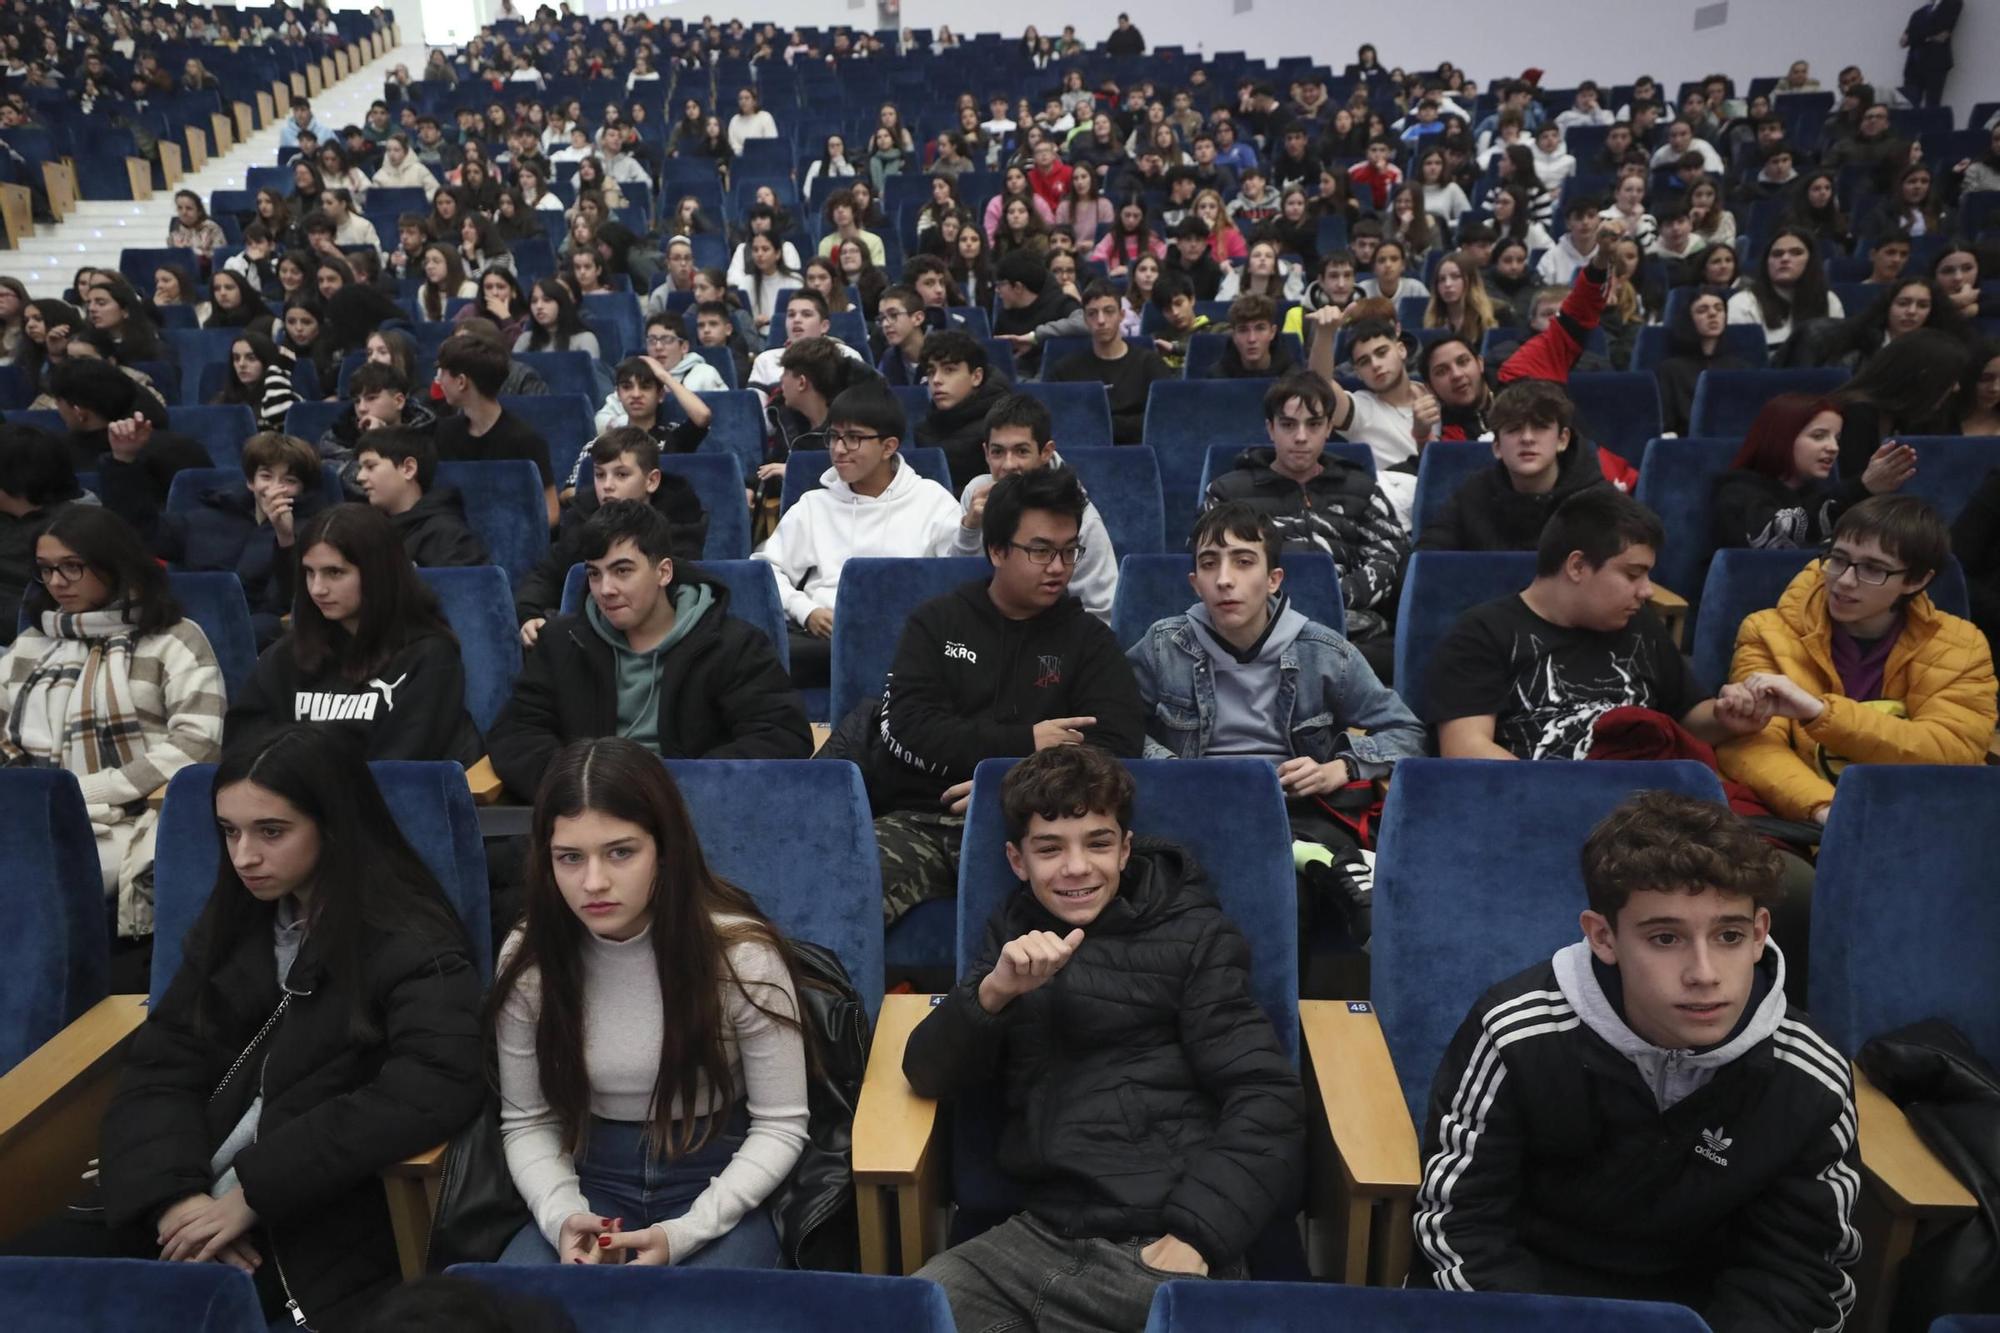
[{"x": 258, "y": 1103}]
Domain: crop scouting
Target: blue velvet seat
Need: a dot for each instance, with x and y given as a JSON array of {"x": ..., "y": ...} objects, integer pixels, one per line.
[
  {"x": 1184, "y": 417},
  {"x": 620, "y": 309},
  {"x": 1123, "y": 483},
  {"x": 720, "y": 1300},
  {"x": 737, "y": 426},
  {"x": 805, "y": 467},
  {"x": 565, "y": 421},
  {"x": 564, "y": 372},
  {"x": 718, "y": 482},
  {"x": 213, "y": 599},
  {"x": 1442, "y": 468},
  {"x": 184, "y": 492},
  {"x": 1081, "y": 413},
  {"x": 753, "y": 597},
  {"x": 1449, "y": 925},
  {"x": 1439, "y": 587},
  {"x": 1617, "y": 410},
  {"x": 875, "y": 598},
  {"x": 849, "y": 327},
  {"x": 1883, "y": 959},
  {"x": 1677, "y": 482},
  {"x": 1229, "y": 814},
  {"x": 1745, "y": 342},
  {"x": 221, "y": 430},
  {"x": 1222, "y": 458},
  {"x": 1153, "y": 587},
  {"x": 1204, "y": 355},
  {"x": 309, "y": 421},
  {"x": 1238, "y": 1307},
  {"x": 431, "y": 804},
  {"x": 479, "y": 604},
  {"x": 1727, "y": 401},
  {"x": 1742, "y": 582},
  {"x": 128, "y": 1296},
  {"x": 138, "y": 264},
  {"x": 55, "y": 957},
  {"x": 799, "y": 839},
  {"x": 1966, "y": 1323},
  {"x": 915, "y": 400},
  {"x": 1949, "y": 469},
  {"x": 505, "y": 505}
]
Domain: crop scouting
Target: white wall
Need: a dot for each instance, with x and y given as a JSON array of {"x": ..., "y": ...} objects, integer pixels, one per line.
[{"x": 1610, "y": 40}]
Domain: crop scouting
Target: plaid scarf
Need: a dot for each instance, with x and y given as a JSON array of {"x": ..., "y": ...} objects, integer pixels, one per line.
[{"x": 83, "y": 685}]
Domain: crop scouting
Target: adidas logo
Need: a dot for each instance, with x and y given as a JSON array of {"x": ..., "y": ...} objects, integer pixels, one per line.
[{"x": 1713, "y": 1144}]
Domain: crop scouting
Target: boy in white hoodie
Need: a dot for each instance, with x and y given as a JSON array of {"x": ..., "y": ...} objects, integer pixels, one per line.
[
  {"x": 870, "y": 505},
  {"x": 1020, "y": 436}
]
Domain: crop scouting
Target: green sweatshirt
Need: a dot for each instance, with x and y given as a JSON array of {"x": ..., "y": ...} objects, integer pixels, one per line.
[{"x": 636, "y": 674}]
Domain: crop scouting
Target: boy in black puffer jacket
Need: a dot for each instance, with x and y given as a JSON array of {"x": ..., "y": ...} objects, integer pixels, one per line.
[
  {"x": 1153, "y": 1123},
  {"x": 1540, "y": 462},
  {"x": 1643, "y": 1116}
]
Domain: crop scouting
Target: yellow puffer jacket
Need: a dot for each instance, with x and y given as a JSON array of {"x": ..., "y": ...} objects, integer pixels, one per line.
[{"x": 1940, "y": 673}]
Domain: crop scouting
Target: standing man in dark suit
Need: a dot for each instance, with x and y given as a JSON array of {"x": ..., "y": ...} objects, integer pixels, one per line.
[{"x": 1928, "y": 37}]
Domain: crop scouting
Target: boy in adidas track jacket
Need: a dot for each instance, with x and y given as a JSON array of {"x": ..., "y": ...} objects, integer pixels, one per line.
[{"x": 1643, "y": 1116}]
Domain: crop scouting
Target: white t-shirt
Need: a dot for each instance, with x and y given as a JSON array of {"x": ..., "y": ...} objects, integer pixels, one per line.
[{"x": 1383, "y": 428}]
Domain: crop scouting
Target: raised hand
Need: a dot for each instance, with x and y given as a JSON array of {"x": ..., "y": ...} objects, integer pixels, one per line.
[
  {"x": 1026, "y": 964},
  {"x": 1889, "y": 467}
]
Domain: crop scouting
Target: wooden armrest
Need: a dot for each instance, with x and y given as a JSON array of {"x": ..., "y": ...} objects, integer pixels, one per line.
[
  {"x": 1912, "y": 1181},
  {"x": 422, "y": 1166},
  {"x": 1355, "y": 1081},
  {"x": 893, "y": 1126},
  {"x": 157, "y": 797},
  {"x": 51, "y": 1105},
  {"x": 1673, "y": 609},
  {"x": 484, "y": 782},
  {"x": 1993, "y": 748}
]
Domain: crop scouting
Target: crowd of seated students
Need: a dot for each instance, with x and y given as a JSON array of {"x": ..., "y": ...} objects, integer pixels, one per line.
[{"x": 617, "y": 1029}]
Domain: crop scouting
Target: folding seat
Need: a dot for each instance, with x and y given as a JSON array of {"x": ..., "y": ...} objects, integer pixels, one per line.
[
  {"x": 1742, "y": 582},
  {"x": 915, "y": 400},
  {"x": 1231, "y": 1307},
  {"x": 47, "y": 419},
  {"x": 1439, "y": 587},
  {"x": 1442, "y": 468},
  {"x": 1617, "y": 410},
  {"x": 1123, "y": 483},
  {"x": 971, "y": 319},
  {"x": 1727, "y": 401},
  {"x": 309, "y": 421},
  {"x": 753, "y": 597},
  {"x": 1949, "y": 469},
  {"x": 14, "y": 394},
  {"x": 630, "y": 1299},
  {"x": 138, "y": 264},
  {"x": 479, "y": 605},
  {"x": 805, "y": 467},
  {"x": 1080, "y": 412},
  {"x": 567, "y": 423},
  {"x": 718, "y": 482},
  {"x": 1183, "y": 417},
  {"x": 213, "y": 599},
  {"x": 505, "y": 506},
  {"x": 1230, "y": 814},
  {"x": 221, "y": 430},
  {"x": 1153, "y": 587},
  {"x": 1446, "y": 927},
  {"x": 722, "y": 360},
  {"x": 184, "y": 492},
  {"x": 1885, "y": 959},
  {"x": 566, "y": 373},
  {"x": 55, "y": 954},
  {"x": 875, "y": 599},
  {"x": 849, "y": 327},
  {"x": 128, "y": 1296},
  {"x": 738, "y": 426},
  {"x": 1205, "y": 352},
  {"x": 1677, "y": 482}
]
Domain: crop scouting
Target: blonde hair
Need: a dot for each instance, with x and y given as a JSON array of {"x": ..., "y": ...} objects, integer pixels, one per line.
[
  {"x": 1224, "y": 224},
  {"x": 1476, "y": 315}
]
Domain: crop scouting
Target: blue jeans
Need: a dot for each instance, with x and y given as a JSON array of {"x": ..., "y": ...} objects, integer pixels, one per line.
[{"x": 621, "y": 1178}]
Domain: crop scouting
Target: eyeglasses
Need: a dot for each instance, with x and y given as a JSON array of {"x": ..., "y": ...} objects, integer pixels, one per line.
[
  {"x": 1040, "y": 554},
  {"x": 64, "y": 571},
  {"x": 1835, "y": 565},
  {"x": 841, "y": 440},
  {"x": 660, "y": 339}
]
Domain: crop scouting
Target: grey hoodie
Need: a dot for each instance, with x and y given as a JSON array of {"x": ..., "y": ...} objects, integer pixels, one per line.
[
  {"x": 638, "y": 674},
  {"x": 1246, "y": 686},
  {"x": 1672, "y": 1075}
]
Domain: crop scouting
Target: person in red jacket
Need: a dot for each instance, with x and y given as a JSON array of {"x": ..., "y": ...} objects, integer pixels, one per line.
[{"x": 1049, "y": 178}]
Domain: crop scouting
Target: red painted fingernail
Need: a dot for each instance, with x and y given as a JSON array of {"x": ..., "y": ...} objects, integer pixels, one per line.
[{"x": 604, "y": 1242}]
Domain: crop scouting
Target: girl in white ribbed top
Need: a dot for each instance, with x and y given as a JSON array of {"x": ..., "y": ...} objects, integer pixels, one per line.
[{"x": 652, "y": 1063}]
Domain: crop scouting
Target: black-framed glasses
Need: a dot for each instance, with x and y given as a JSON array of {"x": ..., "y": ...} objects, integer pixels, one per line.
[
  {"x": 68, "y": 571},
  {"x": 1835, "y": 565},
  {"x": 841, "y": 439},
  {"x": 1040, "y": 554}
]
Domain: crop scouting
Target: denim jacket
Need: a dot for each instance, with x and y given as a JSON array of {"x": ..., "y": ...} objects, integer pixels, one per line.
[{"x": 1325, "y": 686}]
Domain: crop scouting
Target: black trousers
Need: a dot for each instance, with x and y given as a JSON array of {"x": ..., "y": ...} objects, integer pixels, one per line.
[{"x": 812, "y": 660}]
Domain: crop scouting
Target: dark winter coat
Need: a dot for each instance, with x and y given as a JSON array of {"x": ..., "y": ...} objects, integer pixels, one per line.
[
  {"x": 723, "y": 695},
  {"x": 961, "y": 431},
  {"x": 1341, "y": 511},
  {"x": 1486, "y": 513},
  {"x": 224, "y": 534},
  {"x": 434, "y": 531},
  {"x": 1751, "y": 509},
  {"x": 338, "y": 1106},
  {"x": 414, "y": 708},
  {"x": 540, "y": 593},
  {"x": 1145, "y": 1091}
]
